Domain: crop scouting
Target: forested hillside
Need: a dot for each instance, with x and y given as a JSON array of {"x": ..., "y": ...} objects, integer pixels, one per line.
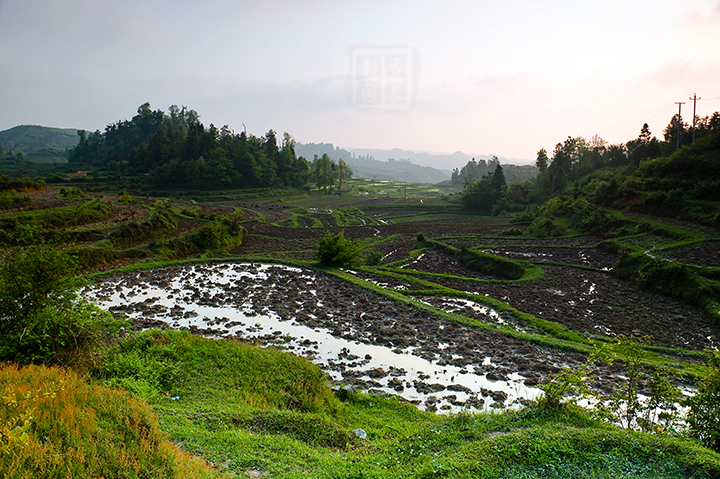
[
  {"x": 177, "y": 151},
  {"x": 644, "y": 175}
]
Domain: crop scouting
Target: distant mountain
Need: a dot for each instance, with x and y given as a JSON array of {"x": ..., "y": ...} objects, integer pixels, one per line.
[
  {"x": 367, "y": 165},
  {"x": 434, "y": 160},
  {"x": 41, "y": 144},
  {"x": 411, "y": 166},
  {"x": 30, "y": 138}
]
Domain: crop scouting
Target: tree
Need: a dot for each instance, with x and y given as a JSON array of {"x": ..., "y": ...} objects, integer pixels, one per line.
[
  {"x": 542, "y": 160},
  {"x": 322, "y": 171},
  {"x": 645, "y": 136},
  {"x": 498, "y": 179},
  {"x": 670, "y": 133},
  {"x": 480, "y": 196},
  {"x": 455, "y": 177},
  {"x": 343, "y": 172},
  {"x": 644, "y": 147}
]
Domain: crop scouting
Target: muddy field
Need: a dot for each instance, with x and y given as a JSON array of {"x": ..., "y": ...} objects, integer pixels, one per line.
[
  {"x": 322, "y": 302},
  {"x": 462, "y": 366}
]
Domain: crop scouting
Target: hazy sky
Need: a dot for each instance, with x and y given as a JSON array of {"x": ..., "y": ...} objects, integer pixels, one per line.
[{"x": 503, "y": 77}]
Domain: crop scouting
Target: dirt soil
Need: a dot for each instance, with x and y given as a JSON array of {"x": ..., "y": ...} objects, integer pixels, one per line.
[
  {"x": 704, "y": 254},
  {"x": 590, "y": 302}
]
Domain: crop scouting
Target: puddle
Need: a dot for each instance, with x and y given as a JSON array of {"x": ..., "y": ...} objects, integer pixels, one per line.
[
  {"x": 471, "y": 309},
  {"x": 232, "y": 300}
]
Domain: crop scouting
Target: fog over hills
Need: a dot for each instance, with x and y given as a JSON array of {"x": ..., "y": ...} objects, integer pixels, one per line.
[
  {"x": 396, "y": 164},
  {"x": 441, "y": 161}
]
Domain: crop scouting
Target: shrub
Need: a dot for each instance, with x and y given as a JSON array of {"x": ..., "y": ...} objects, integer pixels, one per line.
[
  {"x": 373, "y": 258},
  {"x": 544, "y": 227},
  {"x": 335, "y": 250},
  {"x": 41, "y": 318},
  {"x": 222, "y": 234},
  {"x": 126, "y": 198},
  {"x": 71, "y": 193},
  {"x": 511, "y": 232},
  {"x": 160, "y": 223},
  {"x": 11, "y": 199},
  {"x": 704, "y": 416}
]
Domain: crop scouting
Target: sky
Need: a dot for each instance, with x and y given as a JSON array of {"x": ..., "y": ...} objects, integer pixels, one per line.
[{"x": 482, "y": 77}]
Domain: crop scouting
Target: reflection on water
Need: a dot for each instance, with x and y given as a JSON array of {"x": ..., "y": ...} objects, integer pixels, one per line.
[{"x": 207, "y": 300}]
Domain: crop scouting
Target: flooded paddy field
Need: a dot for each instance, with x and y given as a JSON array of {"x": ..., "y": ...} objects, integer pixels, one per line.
[
  {"x": 366, "y": 340},
  {"x": 356, "y": 336}
]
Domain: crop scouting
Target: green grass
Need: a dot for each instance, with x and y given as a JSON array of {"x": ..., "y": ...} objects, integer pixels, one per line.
[{"x": 250, "y": 408}]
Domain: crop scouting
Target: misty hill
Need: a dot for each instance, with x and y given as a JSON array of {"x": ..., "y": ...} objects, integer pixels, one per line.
[
  {"x": 40, "y": 143},
  {"x": 405, "y": 165},
  {"x": 366, "y": 165},
  {"x": 434, "y": 160}
]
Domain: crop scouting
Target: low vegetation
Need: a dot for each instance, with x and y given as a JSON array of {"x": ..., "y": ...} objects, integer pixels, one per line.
[
  {"x": 55, "y": 423},
  {"x": 257, "y": 409}
]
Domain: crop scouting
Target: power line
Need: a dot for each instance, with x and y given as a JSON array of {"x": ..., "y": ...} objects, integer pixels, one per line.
[{"x": 623, "y": 128}]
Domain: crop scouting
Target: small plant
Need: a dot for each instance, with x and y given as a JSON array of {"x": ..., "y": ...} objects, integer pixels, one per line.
[
  {"x": 420, "y": 237},
  {"x": 373, "y": 258},
  {"x": 511, "y": 232},
  {"x": 624, "y": 405},
  {"x": 568, "y": 386},
  {"x": 335, "y": 250},
  {"x": 126, "y": 198},
  {"x": 71, "y": 193}
]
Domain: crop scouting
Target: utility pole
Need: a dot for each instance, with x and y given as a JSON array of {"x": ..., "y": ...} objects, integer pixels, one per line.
[
  {"x": 679, "y": 124},
  {"x": 694, "y": 98}
]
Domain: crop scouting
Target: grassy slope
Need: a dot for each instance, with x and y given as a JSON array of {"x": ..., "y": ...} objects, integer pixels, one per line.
[
  {"x": 54, "y": 423},
  {"x": 260, "y": 409}
]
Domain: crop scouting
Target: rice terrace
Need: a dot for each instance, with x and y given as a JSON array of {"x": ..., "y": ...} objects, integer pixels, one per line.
[{"x": 224, "y": 307}]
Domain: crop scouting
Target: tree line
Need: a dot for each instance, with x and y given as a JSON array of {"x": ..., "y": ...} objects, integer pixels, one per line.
[
  {"x": 579, "y": 158},
  {"x": 175, "y": 150}
]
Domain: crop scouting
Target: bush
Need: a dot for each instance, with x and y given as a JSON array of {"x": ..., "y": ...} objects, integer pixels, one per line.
[
  {"x": 544, "y": 227},
  {"x": 704, "y": 416},
  {"x": 71, "y": 193},
  {"x": 373, "y": 258},
  {"x": 335, "y": 250},
  {"x": 511, "y": 232},
  {"x": 11, "y": 199},
  {"x": 222, "y": 234},
  {"x": 41, "y": 318},
  {"x": 160, "y": 223}
]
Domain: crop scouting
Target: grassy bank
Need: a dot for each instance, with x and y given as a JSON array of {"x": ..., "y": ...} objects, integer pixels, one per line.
[{"x": 261, "y": 410}]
